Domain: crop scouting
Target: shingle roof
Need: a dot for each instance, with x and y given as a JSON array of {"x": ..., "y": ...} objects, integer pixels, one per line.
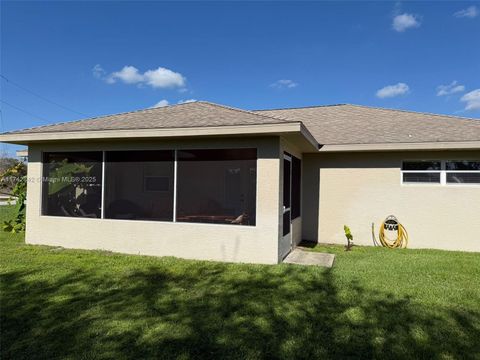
[
  {"x": 194, "y": 114},
  {"x": 330, "y": 125},
  {"x": 354, "y": 124}
]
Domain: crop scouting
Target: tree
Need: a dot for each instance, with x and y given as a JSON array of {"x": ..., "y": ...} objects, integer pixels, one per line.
[
  {"x": 9, "y": 180},
  {"x": 14, "y": 181}
]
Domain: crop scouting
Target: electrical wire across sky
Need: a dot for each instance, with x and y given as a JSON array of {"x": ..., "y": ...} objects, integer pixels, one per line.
[
  {"x": 4, "y": 149},
  {"x": 13, "y": 83}
]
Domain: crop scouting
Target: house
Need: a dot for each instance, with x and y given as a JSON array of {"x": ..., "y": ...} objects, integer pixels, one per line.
[
  {"x": 22, "y": 155},
  {"x": 206, "y": 181}
]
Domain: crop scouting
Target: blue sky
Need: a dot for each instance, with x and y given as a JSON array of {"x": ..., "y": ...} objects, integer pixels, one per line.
[{"x": 108, "y": 57}]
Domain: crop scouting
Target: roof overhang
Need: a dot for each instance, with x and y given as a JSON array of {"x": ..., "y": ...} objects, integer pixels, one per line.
[
  {"x": 294, "y": 130},
  {"x": 457, "y": 145}
]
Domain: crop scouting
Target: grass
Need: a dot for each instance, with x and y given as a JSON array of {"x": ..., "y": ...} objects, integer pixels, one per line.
[{"x": 374, "y": 303}]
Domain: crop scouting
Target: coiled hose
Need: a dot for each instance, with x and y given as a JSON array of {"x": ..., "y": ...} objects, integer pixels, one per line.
[{"x": 400, "y": 242}]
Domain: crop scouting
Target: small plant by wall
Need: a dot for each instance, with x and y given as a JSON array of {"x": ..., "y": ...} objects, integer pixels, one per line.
[{"x": 349, "y": 236}]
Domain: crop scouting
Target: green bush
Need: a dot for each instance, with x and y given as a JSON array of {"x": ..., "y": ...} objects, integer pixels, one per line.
[{"x": 15, "y": 180}]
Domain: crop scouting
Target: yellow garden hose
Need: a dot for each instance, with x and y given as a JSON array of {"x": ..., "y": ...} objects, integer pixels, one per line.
[{"x": 402, "y": 236}]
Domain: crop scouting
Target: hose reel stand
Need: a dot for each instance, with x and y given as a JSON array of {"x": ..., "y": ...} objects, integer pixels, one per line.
[{"x": 391, "y": 224}]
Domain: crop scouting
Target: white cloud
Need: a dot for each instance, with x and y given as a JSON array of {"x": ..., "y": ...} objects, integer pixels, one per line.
[
  {"x": 284, "y": 84},
  {"x": 470, "y": 12},
  {"x": 157, "y": 78},
  {"x": 98, "y": 71},
  {"x": 405, "y": 21},
  {"x": 449, "y": 89},
  {"x": 472, "y": 100},
  {"x": 129, "y": 75},
  {"x": 165, "y": 102},
  {"x": 393, "y": 90},
  {"x": 164, "y": 78},
  {"x": 161, "y": 103}
]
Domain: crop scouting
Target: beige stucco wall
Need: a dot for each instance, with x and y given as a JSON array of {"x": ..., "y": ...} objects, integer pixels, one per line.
[
  {"x": 256, "y": 244},
  {"x": 357, "y": 189}
]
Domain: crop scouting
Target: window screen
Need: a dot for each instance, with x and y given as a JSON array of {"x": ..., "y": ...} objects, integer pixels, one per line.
[
  {"x": 296, "y": 187},
  {"x": 422, "y": 165},
  {"x": 72, "y": 184},
  {"x": 465, "y": 165},
  {"x": 139, "y": 185},
  {"x": 421, "y": 171},
  {"x": 421, "y": 177},
  {"x": 287, "y": 183},
  {"x": 217, "y": 186},
  {"x": 463, "y": 172}
]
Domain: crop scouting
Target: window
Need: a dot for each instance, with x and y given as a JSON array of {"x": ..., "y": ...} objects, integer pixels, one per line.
[
  {"x": 463, "y": 172},
  {"x": 139, "y": 185},
  {"x": 421, "y": 171},
  {"x": 72, "y": 184},
  {"x": 444, "y": 172},
  {"x": 217, "y": 186}
]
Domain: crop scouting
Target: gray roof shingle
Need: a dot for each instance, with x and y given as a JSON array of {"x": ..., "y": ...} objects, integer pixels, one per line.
[
  {"x": 193, "y": 114},
  {"x": 354, "y": 124},
  {"x": 330, "y": 125}
]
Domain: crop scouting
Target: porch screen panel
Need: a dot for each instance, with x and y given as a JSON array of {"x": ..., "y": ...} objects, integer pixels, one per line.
[
  {"x": 139, "y": 185},
  {"x": 217, "y": 186},
  {"x": 72, "y": 184},
  {"x": 296, "y": 186}
]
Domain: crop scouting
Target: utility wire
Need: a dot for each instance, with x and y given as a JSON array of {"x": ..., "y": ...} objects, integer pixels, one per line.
[
  {"x": 22, "y": 110},
  {"x": 40, "y": 96}
]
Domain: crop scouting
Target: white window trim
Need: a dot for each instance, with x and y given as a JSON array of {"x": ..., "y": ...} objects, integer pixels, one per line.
[{"x": 443, "y": 174}]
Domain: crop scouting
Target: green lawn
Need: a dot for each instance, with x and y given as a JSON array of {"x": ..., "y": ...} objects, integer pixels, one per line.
[{"x": 374, "y": 303}]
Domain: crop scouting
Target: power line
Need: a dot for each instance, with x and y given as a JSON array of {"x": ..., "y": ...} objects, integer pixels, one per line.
[
  {"x": 22, "y": 110},
  {"x": 40, "y": 96}
]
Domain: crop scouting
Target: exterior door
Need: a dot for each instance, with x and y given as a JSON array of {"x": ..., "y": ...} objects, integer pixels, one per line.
[{"x": 286, "y": 242}]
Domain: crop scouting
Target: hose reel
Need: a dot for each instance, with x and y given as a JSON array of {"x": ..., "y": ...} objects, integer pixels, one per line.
[{"x": 389, "y": 225}]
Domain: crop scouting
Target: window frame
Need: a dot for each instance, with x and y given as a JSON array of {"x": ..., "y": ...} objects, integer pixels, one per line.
[
  {"x": 443, "y": 173},
  {"x": 444, "y": 166},
  {"x": 175, "y": 150}
]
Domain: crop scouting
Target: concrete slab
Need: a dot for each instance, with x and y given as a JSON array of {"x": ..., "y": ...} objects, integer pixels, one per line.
[{"x": 303, "y": 257}]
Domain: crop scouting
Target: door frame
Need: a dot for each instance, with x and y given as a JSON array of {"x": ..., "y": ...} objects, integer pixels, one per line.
[{"x": 287, "y": 237}]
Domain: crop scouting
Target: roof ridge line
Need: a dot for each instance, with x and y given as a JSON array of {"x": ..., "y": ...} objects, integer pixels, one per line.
[
  {"x": 416, "y": 112},
  {"x": 301, "y": 107},
  {"x": 373, "y": 107},
  {"x": 248, "y": 111}
]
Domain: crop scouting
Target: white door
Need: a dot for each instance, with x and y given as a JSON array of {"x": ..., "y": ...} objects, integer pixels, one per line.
[{"x": 286, "y": 238}]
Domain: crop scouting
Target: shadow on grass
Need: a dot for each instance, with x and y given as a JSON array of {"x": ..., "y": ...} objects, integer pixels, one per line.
[{"x": 221, "y": 311}]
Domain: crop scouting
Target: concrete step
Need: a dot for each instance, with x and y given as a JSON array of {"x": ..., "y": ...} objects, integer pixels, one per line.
[{"x": 304, "y": 257}]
